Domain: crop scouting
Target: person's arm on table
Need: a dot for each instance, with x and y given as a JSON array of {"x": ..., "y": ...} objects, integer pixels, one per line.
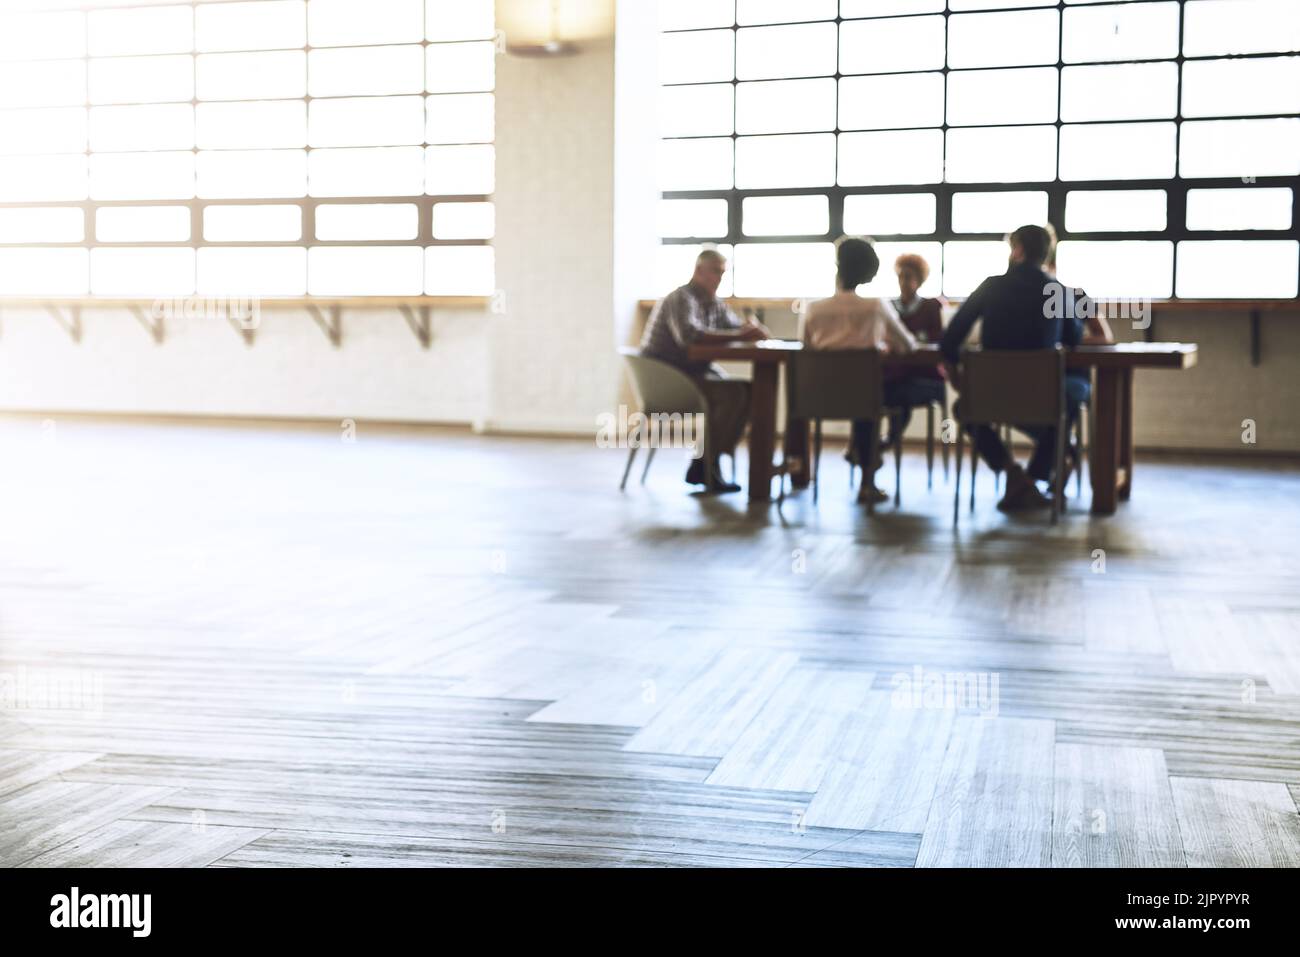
[{"x": 959, "y": 329}]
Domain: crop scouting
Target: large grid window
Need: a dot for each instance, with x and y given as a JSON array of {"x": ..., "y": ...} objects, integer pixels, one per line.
[
  {"x": 1160, "y": 137},
  {"x": 257, "y": 147}
]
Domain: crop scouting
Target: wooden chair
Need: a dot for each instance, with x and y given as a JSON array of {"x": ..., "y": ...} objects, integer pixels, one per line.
[
  {"x": 841, "y": 384},
  {"x": 1024, "y": 387}
]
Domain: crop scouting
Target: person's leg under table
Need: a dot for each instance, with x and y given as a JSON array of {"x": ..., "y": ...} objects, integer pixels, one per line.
[
  {"x": 795, "y": 452},
  {"x": 728, "y": 412}
]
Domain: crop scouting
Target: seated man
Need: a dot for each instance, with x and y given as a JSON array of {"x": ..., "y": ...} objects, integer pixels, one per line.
[
  {"x": 849, "y": 321},
  {"x": 1018, "y": 312},
  {"x": 693, "y": 314}
]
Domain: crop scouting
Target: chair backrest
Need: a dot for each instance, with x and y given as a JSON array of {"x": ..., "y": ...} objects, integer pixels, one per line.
[
  {"x": 1014, "y": 387},
  {"x": 662, "y": 387},
  {"x": 835, "y": 384}
]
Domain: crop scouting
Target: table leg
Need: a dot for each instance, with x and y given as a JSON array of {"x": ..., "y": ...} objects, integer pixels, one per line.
[
  {"x": 1104, "y": 457},
  {"x": 1125, "y": 477},
  {"x": 797, "y": 459},
  {"x": 762, "y": 430}
]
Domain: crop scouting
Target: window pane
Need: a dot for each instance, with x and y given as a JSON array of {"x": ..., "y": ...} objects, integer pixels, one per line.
[
  {"x": 48, "y": 272},
  {"x": 1239, "y": 208},
  {"x": 345, "y": 23},
  {"x": 1134, "y": 31},
  {"x": 461, "y": 67},
  {"x": 41, "y": 36},
  {"x": 987, "y": 97},
  {"x": 695, "y": 164},
  {"x": 391, "y": 171},
  {"x": 883, "y": 159},
  {"x": 783, "y": 11},
  {"x": 997, "y": 4},
  {"x": 1236, "y": 269},
  {"x": 459, "y": 271},
  {"x": 1215, "y": 27},
  {"x": 771, "y": 52},
  {"x": 706, "y": 110},
  {"x": 967, "y": 264},
  {"x": 141, "y": 30},
  {"x": 56, "y": 224},
  {"x": 1127, "y": 269},
  {"x": 697, "y": 57},
  {"x": 1129, "y": 91},
  {"x": 365, "y": 271},
  {"x": 1240, "y": 148},
  {"x": 144, "y": 272},
  {"x": 785, "y": 215},
  {"x": 142, "y": 175},
  {"x": 257, "y": 25},
  {"x": 785, "y": 106},
  {"x": 999, "y": 212},
  {"x": 459, "y": 19},
  {"x": 460, "y": 118},
  {"x": 366, "y": 121},
  {"x": 252, "y": 76},
  {"x": 51, "y": 83},
  {"x": 1002, "y": 39},
  {"x": 459, "y": 170},
  {"x": 767, "y": 162},
  {"x": 886, "y": 8},
  {"x": 365, "y": 71},
  {"x": 26, "y": 179},
  {"x": 887, "y": 46},
  {"x": 686, "y": 218},
  {"x": 1118, "y": 151},
  {"x": 364, "y": 221},
  {"x": 675, "y": 262},
  {"x": 891, "y": 101},
  {"x": 1241, "y": 87},
  {"x": 150, "y": 79},
  {"x": 57, "y": 130},
  {"x": 890, "y": 214},
  {"x": 768, "y": 270},
  {"x": 1006, "y": 155},
  {"x": 253, "y": 125},
  {"x": 886, "y": 282},
  {"x": 119, "y": 128},
  {"x": 252, "y": 271},
  {"x": 695, "y": 14},
  {"x": 264, "y": 222},
  {"x": 1116, "y": 210},
  {"x": 142, "y": 224},
  {"x": 463, "y": 220},
  {"x": 252, "y": 174}
]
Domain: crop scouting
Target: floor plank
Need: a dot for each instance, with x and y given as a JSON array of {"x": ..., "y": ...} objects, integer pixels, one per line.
[{"x": 1237, "y": 823}]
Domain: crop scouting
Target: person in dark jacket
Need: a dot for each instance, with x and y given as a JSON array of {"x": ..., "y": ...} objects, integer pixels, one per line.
[{"x": 1024, "y": 308}]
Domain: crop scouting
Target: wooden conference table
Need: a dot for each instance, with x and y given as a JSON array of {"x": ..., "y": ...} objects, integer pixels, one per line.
[{"x": 1110, "y": 453}]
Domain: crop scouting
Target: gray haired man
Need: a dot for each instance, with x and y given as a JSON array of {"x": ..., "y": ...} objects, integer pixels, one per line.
[{"x": 692, "y": 315}]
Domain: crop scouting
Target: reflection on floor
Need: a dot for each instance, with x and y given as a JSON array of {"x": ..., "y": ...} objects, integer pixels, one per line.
[{"x": 267, "y": 645}]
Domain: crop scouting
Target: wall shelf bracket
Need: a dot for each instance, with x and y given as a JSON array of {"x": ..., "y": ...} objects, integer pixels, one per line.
[
  {"x": 420, "y": 319},
  {"x": 154, "y": 325},
  {"x": 331, "y": 325},
  {"x": 68, "y": 317}
]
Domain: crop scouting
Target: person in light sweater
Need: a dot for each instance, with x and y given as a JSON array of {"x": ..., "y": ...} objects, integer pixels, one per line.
[{"x": 849, "y": 321}]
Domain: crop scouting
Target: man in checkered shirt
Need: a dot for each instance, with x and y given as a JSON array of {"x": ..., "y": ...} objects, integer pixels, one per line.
[{"x": 693, "y": 314}]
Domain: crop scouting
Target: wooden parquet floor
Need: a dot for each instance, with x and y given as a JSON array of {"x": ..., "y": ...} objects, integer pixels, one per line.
[{"x": 243, "y": 645}]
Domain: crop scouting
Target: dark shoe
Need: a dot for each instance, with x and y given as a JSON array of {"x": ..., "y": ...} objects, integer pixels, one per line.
[
  {"x": 695, "y": 472},
  {"x": 869, "y": 494},
  {"x": 720, "y": 487},
  {"x": 1022, "y": 495}
]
